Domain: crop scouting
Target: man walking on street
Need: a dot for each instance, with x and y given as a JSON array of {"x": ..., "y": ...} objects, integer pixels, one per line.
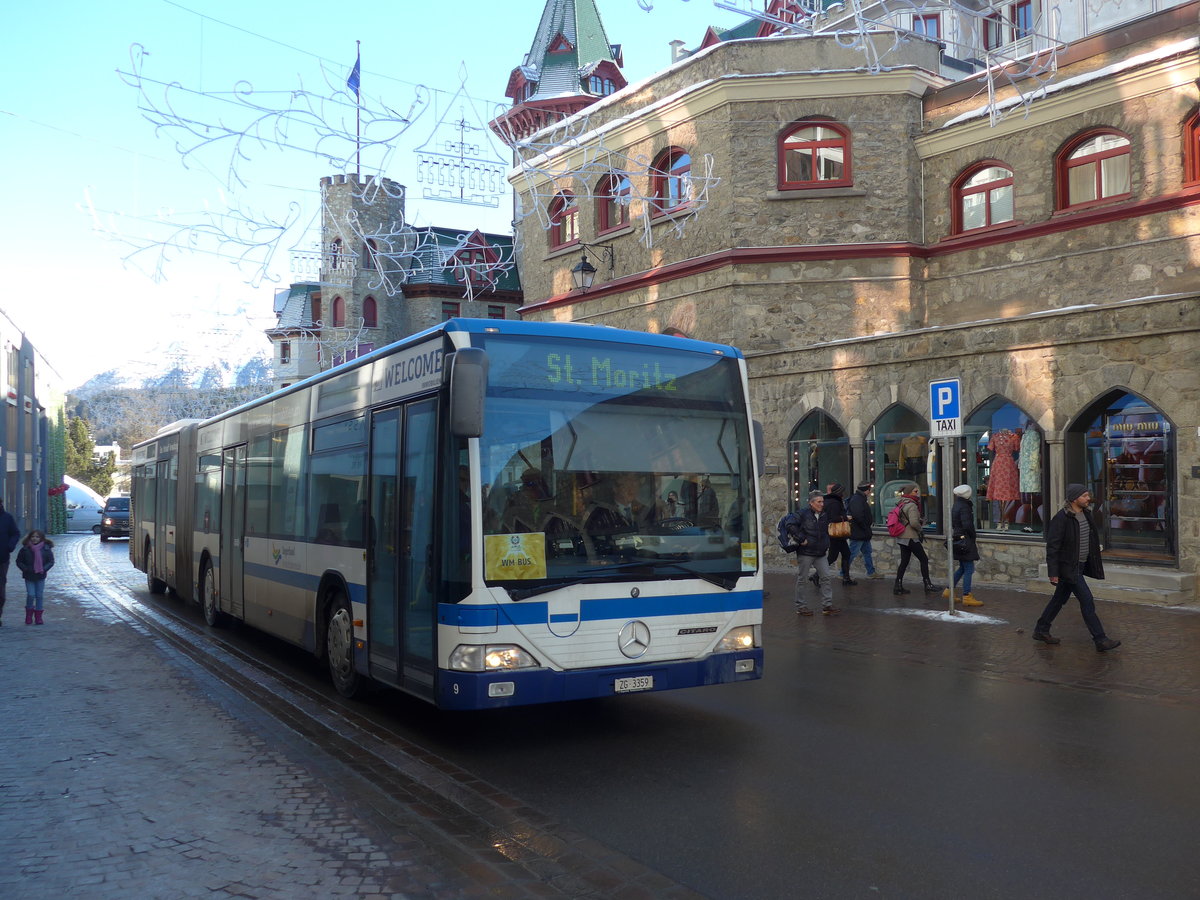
[
  {"x": 861, "y": 519},
  {"x": 1073, "y": 551},
  {"x": 810, "y": 529}
]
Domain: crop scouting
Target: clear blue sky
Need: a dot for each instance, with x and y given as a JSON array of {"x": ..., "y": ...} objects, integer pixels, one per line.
[{"x": 77, "y": 150}]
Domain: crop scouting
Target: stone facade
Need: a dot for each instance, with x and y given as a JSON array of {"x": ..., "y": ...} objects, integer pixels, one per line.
[{"x": 850, "y": 300}]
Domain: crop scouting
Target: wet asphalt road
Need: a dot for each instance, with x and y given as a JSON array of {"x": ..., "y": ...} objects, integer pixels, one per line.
[{"x": 883, "y": 756}]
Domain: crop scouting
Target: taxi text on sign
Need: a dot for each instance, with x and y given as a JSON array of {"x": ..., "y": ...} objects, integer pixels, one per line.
[{"x": 945, "y": 408}]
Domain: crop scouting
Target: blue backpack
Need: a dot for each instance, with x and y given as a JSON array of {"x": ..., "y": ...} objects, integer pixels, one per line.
[{"x": 787, "y": 542}]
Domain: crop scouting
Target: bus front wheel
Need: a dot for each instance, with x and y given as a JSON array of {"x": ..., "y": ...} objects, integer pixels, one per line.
[
  {"x": 339, "y": 647},
  {"x": 209, "y": 598}
]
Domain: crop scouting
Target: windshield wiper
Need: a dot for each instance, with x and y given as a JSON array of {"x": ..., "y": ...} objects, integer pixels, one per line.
[
  {"x": 726, "y": 582},
  {"x": 526, "y": 593}
]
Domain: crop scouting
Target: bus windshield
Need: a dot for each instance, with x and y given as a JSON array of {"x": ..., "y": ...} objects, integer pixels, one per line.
[{"x": 609, "y": 460}]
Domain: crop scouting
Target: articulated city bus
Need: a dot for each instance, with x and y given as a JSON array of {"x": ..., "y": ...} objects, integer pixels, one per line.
[{"x": 486, "y": 514}]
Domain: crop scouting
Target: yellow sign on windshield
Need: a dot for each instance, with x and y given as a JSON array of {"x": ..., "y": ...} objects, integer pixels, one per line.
[{"x": 514, "y": 557}]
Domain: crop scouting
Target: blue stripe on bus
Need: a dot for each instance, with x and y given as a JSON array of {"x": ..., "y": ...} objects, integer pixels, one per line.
[
  {"x": 532, "y": 612},
  {"x": 302, "y": 580}
]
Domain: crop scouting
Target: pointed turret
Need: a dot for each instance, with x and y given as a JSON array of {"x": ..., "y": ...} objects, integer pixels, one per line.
[{"x": 570, "y": 66}]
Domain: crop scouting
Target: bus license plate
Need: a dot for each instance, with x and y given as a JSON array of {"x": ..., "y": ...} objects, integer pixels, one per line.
[{"x": 635, "y": 683}]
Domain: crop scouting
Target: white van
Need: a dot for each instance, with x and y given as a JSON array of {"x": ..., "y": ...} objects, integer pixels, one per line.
[{"x": 84, "y": 507}]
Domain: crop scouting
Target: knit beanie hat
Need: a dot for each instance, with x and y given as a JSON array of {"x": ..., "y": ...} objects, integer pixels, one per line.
[
  {"x": 864, "y": 486},
  {"x": 836, "y": 489},
  {"x": 964, "y": 491},
  {"x": 1074, "y": 491}
]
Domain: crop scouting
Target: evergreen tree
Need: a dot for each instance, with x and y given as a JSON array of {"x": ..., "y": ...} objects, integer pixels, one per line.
[{"x": 79, "y": 462}]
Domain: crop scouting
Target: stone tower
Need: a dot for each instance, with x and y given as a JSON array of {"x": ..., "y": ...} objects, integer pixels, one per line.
[{"x": 363, "y": 254}]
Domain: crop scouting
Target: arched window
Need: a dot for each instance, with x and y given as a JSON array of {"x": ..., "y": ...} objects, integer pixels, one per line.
[
  {"x": 814, "y": 153},
  {"x": 370, "y": 251},
  {"x": 1191, "y": 148},
  {"x": 1093, "y": 168},
  {"x": 899, "y": 455},
  {"x": 339, "y": 312},
  {"x": 612, "y": 202},
  {"x": 1123, "y": 450},
  {"x": 983, "y": 196},
  {"x": 370, "y": 313},
  {"x": 818, "y": 456},
  {"x": 1002, "y": 458},
  {"x": 564, "y": 220},
  {"x": 671, "y": 180}
]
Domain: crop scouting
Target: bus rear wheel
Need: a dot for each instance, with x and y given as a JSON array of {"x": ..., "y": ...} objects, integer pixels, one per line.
[
  {"x": 339, "y": 647},
  {"x": 154, "y": 585},
  {"x": 209, "y": 598}
]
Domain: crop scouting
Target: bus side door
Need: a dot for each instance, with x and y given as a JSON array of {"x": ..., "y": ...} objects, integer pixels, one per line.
[
  {"x": 233, "y": 529},
  {"x": 400, "y": 545}
]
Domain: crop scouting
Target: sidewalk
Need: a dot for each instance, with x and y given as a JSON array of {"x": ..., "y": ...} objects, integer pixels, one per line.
[
  {"x": 1157, "y": 657},
  {"x": 128, "y": 771}
]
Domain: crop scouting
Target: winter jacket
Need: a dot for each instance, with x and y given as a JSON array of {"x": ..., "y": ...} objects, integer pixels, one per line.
[
  {"x": 858, "y": 507},
  {"x": 811, "y": 531},
  {"x": 910, "y": 515},
  {"x": 1062, "y": 546},
  {"x": 10, "y": 535},
  {"x": 962, "y": 524},
  {"x": 25, "y": 562},
  {"x": 835, "y": 511}
]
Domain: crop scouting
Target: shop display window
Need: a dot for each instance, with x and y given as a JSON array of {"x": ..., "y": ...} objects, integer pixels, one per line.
[
  {"x": 900, "y": 454},
  {"x": 1128, "y": 449},
  {"x": 818, "y": 456},
  {"x": 1002, "y": 457}
]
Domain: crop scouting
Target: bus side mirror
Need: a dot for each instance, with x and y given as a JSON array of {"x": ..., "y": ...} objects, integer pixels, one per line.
[
  {"x": 468, "y": 384},
  {"x": 759, "y": 458}
]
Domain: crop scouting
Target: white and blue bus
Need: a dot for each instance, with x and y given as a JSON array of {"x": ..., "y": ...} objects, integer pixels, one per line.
[{"x": 486, "y": 514}]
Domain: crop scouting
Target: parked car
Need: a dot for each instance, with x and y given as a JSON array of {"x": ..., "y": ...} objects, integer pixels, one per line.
[{"x": 115, "y": 520}]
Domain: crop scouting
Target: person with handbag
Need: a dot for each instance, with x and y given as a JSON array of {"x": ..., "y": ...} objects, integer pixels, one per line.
[
  {"x": 839, "y": 529},
  {"x": 810, "y": 537},
  {"x": 966, "y": 551}
]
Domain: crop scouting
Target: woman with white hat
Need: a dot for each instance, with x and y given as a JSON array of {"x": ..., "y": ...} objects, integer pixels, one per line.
[{"x": 962, "y": 530}]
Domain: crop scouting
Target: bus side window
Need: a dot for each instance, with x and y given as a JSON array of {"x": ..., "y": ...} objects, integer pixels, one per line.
[{"x": 329, "y": 524}]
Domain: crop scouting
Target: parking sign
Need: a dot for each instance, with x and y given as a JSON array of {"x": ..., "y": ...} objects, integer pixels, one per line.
[{"x": 945, "y": 410}]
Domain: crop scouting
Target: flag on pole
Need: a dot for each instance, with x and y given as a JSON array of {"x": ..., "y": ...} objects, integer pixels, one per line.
[{"x": 355, "y": 75}]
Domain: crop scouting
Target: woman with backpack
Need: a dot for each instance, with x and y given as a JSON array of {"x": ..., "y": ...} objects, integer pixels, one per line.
[{"x": 908, "y": 511}]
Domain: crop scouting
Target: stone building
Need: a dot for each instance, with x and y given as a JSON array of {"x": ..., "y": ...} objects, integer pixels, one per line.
[
  {"x": 379, "y": 279},
  {"x": 872, "y": 232}
]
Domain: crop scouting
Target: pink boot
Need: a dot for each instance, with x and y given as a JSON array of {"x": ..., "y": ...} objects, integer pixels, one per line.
[
  {"x": 28, "y": 616},
  {"x": 37, "y": 617}
]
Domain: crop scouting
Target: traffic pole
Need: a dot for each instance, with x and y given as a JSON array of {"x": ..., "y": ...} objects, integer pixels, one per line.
[{"x": 947, "y": 512}]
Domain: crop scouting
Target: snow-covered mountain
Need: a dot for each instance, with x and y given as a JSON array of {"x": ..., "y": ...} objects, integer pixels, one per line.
[{"x": 206, "y": 362}]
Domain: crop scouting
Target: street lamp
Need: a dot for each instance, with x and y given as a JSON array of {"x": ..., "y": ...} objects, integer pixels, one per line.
[{"x": 584, "y": 272}]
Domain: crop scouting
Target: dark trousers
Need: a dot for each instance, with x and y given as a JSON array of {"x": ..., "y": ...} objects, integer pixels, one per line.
[
  {"x": 1072, "y": 582},
  {"x": 4, "y": 558},
  {"x": 913, "y": 548},
  {"x": 840, "y": 547}
]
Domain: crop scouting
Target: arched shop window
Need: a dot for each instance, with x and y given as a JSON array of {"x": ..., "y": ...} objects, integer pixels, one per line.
[
  {"x": 900, "y": 454},
  {"x": 818, "y": 456},
  {"x": 1123, "y": 449},
  {"x": 1002, "y": 457}
]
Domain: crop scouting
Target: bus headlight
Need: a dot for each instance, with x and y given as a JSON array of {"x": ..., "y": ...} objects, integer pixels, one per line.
[
  {"x": 742, "y": 638},
  {"x": 491, "y": 658}
]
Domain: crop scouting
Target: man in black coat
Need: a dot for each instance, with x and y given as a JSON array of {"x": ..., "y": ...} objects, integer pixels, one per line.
[
  {"x": 10, "y": 535},
  {"x": 858, "y": 507},
  {"x": 1073, "y": 551},
  {"x": 810, "y": 528}
]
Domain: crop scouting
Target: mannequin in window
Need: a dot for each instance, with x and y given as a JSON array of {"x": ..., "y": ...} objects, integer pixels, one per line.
[
  {"x": 1029, "y": 464},
  {"x": 912, "y": 455},
  {"x": 1004, "y": 485}
]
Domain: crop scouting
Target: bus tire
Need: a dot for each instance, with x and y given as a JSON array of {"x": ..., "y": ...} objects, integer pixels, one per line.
[
  {"x": 210, "y": 598},
  {"x": 339, "y": 646},
  {"x": 154, "y": 585}
]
